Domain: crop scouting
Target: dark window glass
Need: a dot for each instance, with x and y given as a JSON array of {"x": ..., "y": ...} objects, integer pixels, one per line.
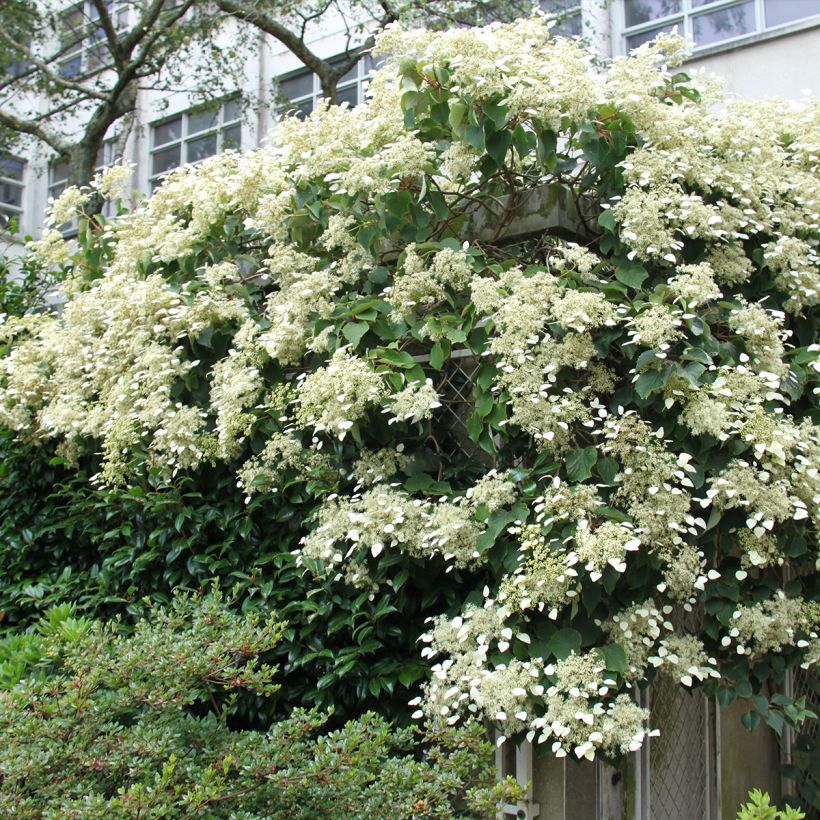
[
  {"x": 231, "y": 110},
  {"x": 372, "y": 63},
  {"x": 71, "y": 68},
  {"x": 11, "y": 194},
  {"x": 569, "y": 25},
  {"x": 635, "y": 40},
  {"x": 348, "y": 76},
  {"x": 779, "y": 12},
  {"x": 348, "y": 95},
  {"x": 724, "y": 24},
  {"x": 60, "y": 172},
  {"x": 642, "y": 11},
  {"x": 300, "y": 110},
  {"x": 11, "y": 168},
  {"x": 168, "y": 131},
  {"x": 232, "y": 138},
  {"x": 299, "y": 85},
  {"x": 202, "y": 121},
  {"x": 200, "y": 148},
  {"x": 162, "y": 161}
]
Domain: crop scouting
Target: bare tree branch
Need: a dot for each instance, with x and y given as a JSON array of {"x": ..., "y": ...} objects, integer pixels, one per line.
[
  {"x": 107, "y": 26},
  {"x": 56, "y": 77},
  {"x": 25, "y": 126}
]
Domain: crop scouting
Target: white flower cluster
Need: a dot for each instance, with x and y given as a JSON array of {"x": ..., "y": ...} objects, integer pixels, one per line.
[
  {"x": 384, "y": 517},
  {"x": 415, "y": 402},
  {"x": 338, "y": 395},
  {"x": 716, "y": 198},
  {"x": 493, "y": 492},
  {"x": 770, "y": 625},
  {"x": 419, "y": 285}
]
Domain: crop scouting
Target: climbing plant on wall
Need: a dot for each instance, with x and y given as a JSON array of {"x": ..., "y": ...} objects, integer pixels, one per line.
[{"x": 519, "y": 345}]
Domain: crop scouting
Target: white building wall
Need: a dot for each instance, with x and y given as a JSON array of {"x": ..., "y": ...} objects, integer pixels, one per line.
[
  {"x": 782, "y": 64},
  {"x": 786, "y": 66}
]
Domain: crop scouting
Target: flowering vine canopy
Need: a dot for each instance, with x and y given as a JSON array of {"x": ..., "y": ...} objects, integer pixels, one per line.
[{"x": 627, "y": 486}]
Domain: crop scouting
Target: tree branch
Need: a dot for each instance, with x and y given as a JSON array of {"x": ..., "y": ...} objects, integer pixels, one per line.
[
  {"x": 55, "y": 77},
  {"x": 295, "y": 44},
  {"x": 107, "y": 26},
  {"x": 24, "y": 126}
]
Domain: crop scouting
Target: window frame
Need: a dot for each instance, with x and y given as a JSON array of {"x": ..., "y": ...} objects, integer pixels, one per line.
[
  {"x": 684, "y": 20},
  {"x": 15, "y": 210},
  {"x": 366, "y": 66},
  {"x": 573, "y": 12},
  {"x": 218, "y": 128},
  {"x": 87, "y": 36},
  {"x": 106, "y": 157}
]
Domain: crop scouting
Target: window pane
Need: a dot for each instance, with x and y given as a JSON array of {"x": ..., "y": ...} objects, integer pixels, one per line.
[
  {"x": 168, "y": 131},
  {"x": 299, "y": 85},
  {"x": 162, "y": 161},
  {"x": 348, "y": 76},
  {"x": 11, "y": 194},
  {"x": 557, "y": 6},
  {"x": 642, "y": 11},
  {"x": 299, "y": 110},
  {"x": 232, "y": 138},
  {"x": 72, "y": 24},
  {"x": 94, "y": 14},
  {"x": 96, "y": 56},
  {"x": 202, "y": 121},
  {"x": 200, "y": 148},
  {"x": 71, "y": 68},
  {"x": 348, "y": 95},
  {"x": 724, "y": 23},
  {"x": 372, "y": 63},
  {"x": 11, "y": 168},
  {"x": 231, "y": 110},
  {"x": 636, "y": 40},
  {"x": 569, "y": 25},
  {"x": 784, "y": 11},
  {"x": 59, "y": 172}
]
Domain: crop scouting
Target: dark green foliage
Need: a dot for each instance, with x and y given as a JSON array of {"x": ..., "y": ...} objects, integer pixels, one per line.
[
  {"x": 22, "y": 286},
  {"x": 133, "y": 725},
  {"x": 61, "y": 538}
]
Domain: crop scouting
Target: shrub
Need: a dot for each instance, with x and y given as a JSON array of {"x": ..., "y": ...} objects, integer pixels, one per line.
[
  {"x": 759, "y": 807},
  {"x": 625, "y": 481},
  {"x": 139, "y": 725}
]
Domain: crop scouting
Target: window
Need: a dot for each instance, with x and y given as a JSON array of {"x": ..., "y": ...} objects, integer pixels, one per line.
[
  {"x": 567, "y": 14},
  {"x": 193, "y": 136},
  {"x": 11, "y": 190},
  {"x": 60, "y": 171},
  {"x": 710, "y": 22},
  {"x": 82, "y": 39},
  {"x": 301, "y": 91}
]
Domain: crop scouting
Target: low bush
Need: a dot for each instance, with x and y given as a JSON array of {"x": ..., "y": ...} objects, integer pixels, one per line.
[{"x": 139, "y": 724}]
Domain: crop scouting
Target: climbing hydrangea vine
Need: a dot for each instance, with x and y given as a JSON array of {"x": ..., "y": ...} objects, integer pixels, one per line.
[{"x": 544, "y": 330}]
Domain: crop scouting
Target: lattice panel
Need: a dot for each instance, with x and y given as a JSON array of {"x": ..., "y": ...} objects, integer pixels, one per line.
[
  {"x": 679, "y": 757},
  {"x": 803, "y": 683},
  {"x": 455, "y": 389}
]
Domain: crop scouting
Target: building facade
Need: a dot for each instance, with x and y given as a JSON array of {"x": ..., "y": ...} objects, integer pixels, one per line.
[{"x": 760, "y": 47}]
